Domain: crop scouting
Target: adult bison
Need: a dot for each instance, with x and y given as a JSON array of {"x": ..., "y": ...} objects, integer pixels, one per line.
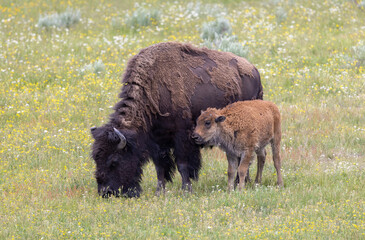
[{"x": 165, "y": 87}]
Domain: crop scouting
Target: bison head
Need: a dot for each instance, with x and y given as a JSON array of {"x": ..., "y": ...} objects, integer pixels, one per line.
[
  {"x": 207, "y": 128},
  {"x": 118, "y": 161}
]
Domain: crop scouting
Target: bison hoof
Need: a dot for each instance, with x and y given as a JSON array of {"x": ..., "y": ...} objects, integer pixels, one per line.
[
  {"x": 132, "y": 193},
  {"x": 107, "y": 193},
  {"x": 160, "y": 191},
  {"x": 187, "y": 188}
]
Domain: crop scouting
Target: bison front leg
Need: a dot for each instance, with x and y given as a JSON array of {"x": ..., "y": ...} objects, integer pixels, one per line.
[
  {"x": 187, "y": 157},
  {"x": 184, "y": 172}
]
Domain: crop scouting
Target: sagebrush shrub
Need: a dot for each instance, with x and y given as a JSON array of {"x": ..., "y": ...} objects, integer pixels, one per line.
[
  {"x": 64, "y": 19},
  {"x": 143, "y": 17},
  {"x": 214, "y": 29},
  {"x": 196, "y": 9},
  {"x": 359, "y": 53},
  {"x": 281, "y": 15},
  {"x": 96, "y": 67},
  {"x": 217, "y": 35},
  {"x": 227, "y": 44}
]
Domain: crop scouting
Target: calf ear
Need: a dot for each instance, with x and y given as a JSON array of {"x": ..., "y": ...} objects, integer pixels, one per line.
[{"x": 220, "y": 119}]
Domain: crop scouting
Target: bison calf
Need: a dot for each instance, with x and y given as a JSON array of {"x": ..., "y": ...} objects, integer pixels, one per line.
[{"x": 241, "y": 129}]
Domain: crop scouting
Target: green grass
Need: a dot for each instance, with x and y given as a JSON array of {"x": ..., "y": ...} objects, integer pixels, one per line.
[{"x": 309, "y": 54}]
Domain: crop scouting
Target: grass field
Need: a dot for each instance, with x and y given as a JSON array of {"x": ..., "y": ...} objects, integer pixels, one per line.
[{"x": 56, "y": 81}]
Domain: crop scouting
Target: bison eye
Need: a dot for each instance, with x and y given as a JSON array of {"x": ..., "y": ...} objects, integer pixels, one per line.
[{"x": 207, "y": 123}]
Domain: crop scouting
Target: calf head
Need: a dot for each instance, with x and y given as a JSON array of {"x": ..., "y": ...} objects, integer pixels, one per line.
[
  {"x": 207, "y": 126},
  {"x": 118, "y": 162}
]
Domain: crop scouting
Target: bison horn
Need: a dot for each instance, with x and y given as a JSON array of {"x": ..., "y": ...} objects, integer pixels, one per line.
[{"x": 123, "y": 140}]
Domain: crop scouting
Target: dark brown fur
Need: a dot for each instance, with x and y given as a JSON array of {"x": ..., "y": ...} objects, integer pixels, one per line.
[
  {"x": 165, "y": 87},
  {"x": 179, "y": 68},
  {"x": 241, "y": 129}
]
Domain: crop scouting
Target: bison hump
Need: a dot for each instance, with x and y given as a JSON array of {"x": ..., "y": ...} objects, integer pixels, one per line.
[{"x": 180, "y": 68}]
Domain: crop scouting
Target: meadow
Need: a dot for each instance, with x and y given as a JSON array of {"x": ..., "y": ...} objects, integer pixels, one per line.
[{"x": 61, "y": 64}]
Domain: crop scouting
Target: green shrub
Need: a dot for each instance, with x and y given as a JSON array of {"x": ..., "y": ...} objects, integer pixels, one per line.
[
  {"x": 96, "y": 67},
  {"x": 143, "y": 17},
  {"x": 359, "y": 52},
  {"x": 198, "y": 9},
  {"x": 214, "y": 29},
  {"x": 217, "y": 35},
  {"x": 281, "y": 15},
  {"x": 227, "y": 44},
  {"x": 65, "y": 19}
]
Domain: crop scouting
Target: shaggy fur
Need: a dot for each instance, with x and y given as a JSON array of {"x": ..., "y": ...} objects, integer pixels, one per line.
[
  {"x": 165, "y": 87},
  {"x": 241, "y": 129},
  {"x": 180, "y": 68}
]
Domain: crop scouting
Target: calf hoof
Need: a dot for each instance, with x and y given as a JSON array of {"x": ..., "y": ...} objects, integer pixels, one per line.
[{"x": 231, "y": 188}]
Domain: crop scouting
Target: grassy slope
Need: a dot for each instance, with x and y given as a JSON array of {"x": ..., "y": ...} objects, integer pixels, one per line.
[{"x": 47, "y": 106}]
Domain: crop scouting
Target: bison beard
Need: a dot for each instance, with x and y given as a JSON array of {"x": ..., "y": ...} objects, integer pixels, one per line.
[{"x": 165, "y": 87}]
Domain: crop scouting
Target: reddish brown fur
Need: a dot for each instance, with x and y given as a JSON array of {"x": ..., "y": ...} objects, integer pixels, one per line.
[{"x": 241, "y": 129}]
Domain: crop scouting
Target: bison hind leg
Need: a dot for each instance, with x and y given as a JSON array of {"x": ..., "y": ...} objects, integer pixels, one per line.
[{"x": 169, "y": 165}]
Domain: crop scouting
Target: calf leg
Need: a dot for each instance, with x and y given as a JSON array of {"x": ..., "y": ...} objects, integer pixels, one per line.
[
  {"x": 232, "y": 170},
  {"x": 247, "y": 178},
  {"x": 275, "y": 145},
  {"x": 246, "y": 158},
  {"x": 261, "y": 156}
]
